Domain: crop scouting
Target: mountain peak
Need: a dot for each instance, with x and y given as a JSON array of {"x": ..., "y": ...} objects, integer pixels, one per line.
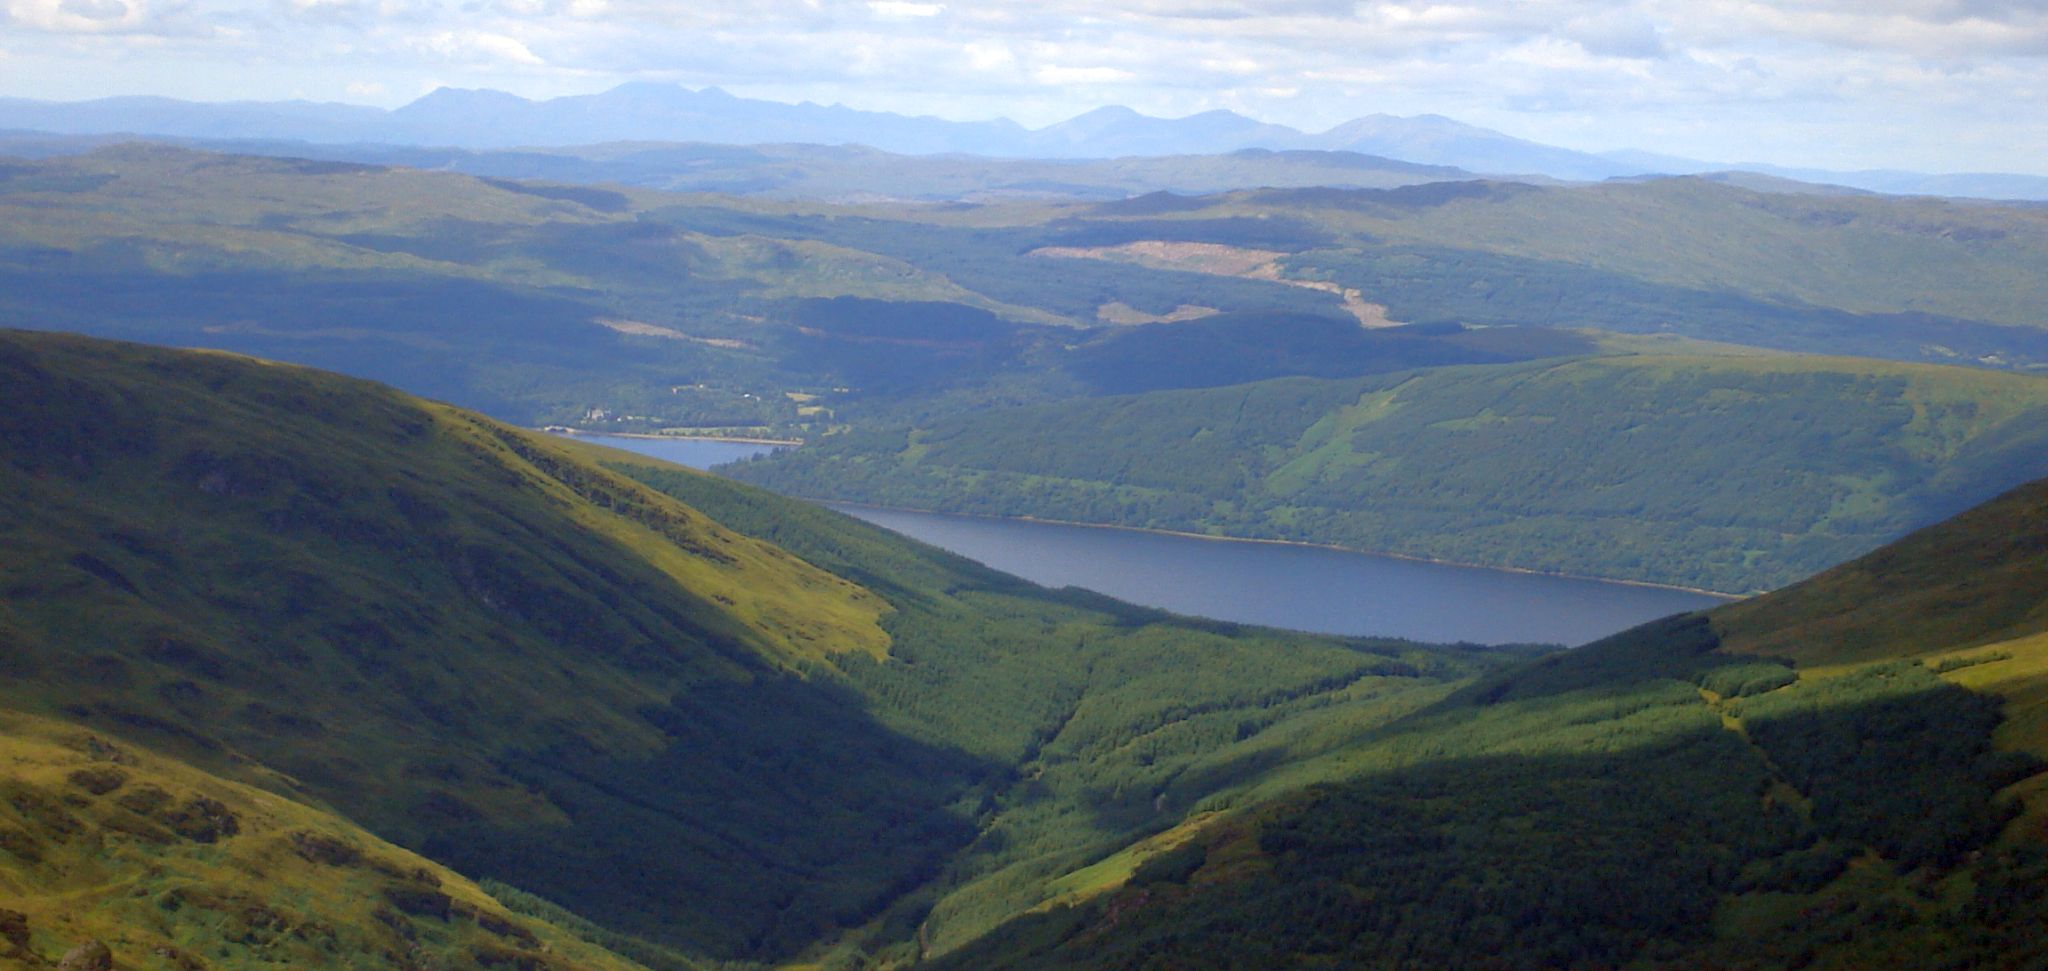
[
  {"x": 443, "y": 96},
  {"x": 1107, "y": 113}
]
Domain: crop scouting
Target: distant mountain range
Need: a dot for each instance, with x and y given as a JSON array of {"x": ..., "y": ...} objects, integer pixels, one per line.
[{"x": 655, "y": 112}]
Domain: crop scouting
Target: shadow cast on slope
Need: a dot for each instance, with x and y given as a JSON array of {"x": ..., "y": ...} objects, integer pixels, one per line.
[{"x": 778, "y": 812}]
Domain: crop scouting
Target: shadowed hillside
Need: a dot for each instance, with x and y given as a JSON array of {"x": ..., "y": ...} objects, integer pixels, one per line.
[{"x": 484, "y": 646}]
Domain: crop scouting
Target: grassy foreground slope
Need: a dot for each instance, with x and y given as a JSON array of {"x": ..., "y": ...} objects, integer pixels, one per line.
[
  {"x": 1811, "y": 779},
  {"x": 170, "y": 867},
  {"x": 483, "y": 645},
  {"x": 1732, "y": 473}
]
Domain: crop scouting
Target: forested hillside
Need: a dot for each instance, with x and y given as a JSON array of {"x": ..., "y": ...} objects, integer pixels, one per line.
[
  {"x": 1717, "y": 790},
  {"x": 1733, "y": 473}
]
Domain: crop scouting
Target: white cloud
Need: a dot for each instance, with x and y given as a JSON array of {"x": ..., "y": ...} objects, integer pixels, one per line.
[
  {"x": 989, "y": 57},
  {"x": 473, "y": 45},
  {"x": 367, "y": 90},
  {"x": 904, "y": 9},
  {"x": 1617, "y": 34},
  {"x": 78, "y": 16},
  {"x": 1240, "y": 66},
  {"x": 1061, "y": 74}
]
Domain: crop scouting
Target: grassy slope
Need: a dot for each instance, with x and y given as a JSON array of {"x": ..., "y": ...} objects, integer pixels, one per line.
[
  {"x": 1981, "y": 577},
  {"x": 174, "y": 868},
  {"x": 1844, "y": 774},
  {"x": 1726, "y": 472},
  {"x": 482, "y": 646}
]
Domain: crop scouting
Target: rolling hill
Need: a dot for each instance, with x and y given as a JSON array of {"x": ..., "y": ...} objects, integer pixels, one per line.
[
  {"x": 633, "y": 309},
  {"x": 1732, "y": 472}
]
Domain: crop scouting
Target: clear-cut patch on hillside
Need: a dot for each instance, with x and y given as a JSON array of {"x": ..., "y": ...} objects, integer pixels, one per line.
[{"x": 1216, "y": 259}]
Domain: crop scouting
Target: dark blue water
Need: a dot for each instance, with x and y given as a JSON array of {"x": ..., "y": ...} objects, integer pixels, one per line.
[{"x": 1327, "y": 591}]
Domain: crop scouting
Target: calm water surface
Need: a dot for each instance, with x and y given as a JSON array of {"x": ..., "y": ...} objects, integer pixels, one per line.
[{"x": 1328, "y": 591}]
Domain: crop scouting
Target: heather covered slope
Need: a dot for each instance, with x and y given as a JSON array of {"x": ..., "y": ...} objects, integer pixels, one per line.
[
  {"x": 1980, "y": 578},
  {"x": 481, "y": 645},
  {"x": 1863, "y": 791},
  {"x": 170, "y": 867}
]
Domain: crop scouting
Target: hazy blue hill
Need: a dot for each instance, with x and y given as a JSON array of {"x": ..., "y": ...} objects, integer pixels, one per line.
[
  {"x": 1435, "y": 139},
  {"x": 646, "y": 111},
  {"x": 1118, "y": 131},
  {"x": 150, "y": 115}
]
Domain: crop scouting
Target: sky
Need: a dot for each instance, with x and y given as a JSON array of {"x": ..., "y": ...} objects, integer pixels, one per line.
[{"x": 1931, "y": 85}]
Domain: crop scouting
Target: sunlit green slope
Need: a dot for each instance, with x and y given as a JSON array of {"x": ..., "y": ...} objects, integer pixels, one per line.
[
  {"x": 1730, "y": 472},
  {"x": 486, "y": 646},
  {"x": 1844, "y": 774},
  {"x": 169, "y": 867}
]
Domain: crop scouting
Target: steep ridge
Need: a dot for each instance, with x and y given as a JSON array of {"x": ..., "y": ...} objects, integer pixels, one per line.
[
  {"x": 439, "y": 625},
  {"x": 484, "y": 646},
  {"x": 1844, "y": 774}
]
